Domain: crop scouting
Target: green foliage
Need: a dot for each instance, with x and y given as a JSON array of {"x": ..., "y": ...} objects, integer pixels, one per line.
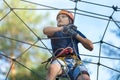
[
  {"x": 38, "y": 73},
  {"x": 41, "y": 71},
  {"x": 18, "y": 34}
]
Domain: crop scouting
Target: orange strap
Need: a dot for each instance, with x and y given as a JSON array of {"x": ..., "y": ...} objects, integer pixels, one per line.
[{"x": 66, "y": 51}]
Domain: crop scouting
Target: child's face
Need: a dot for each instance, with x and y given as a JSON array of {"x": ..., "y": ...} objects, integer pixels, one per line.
[{"x": 62, "y": 20}]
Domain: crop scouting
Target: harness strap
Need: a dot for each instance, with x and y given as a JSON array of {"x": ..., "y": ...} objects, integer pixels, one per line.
[
  {"x": 47, "y": 62},
  {"x": 72, "y": 56},
  {"x": 77, "y": 62},
  {"x": 66, "y": 52}
]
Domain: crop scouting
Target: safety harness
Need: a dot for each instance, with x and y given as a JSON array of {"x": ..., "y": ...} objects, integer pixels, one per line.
[{"x": 65, "y": 52}]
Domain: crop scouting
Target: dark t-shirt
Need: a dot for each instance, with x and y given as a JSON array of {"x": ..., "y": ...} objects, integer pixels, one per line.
[{"x": 62, "y": 40}]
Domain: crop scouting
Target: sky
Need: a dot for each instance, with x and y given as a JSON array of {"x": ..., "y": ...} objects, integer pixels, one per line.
[{"x": 93, "y": 28}]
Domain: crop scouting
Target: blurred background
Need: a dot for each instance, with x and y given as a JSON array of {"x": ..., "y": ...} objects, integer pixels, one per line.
[{"x": 23, "y": 46}]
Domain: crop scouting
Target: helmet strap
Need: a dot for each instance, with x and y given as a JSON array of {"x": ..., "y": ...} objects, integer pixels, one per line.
[{"x": 70, "y": 21}]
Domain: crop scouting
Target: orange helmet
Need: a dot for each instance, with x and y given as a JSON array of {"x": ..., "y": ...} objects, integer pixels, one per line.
[{"x": 67, "y": 13}]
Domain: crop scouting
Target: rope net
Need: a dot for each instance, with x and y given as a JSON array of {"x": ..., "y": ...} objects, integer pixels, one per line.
[{"x": 100, "y": 23}]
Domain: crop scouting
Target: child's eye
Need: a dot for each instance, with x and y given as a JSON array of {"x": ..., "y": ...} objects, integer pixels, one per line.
[{"x": 63, "y": 16}]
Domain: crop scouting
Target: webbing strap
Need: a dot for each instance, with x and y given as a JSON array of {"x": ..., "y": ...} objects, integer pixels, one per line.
[
  {"x": 77, "y": 62},
  {"x": 72, "y": 56}
]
